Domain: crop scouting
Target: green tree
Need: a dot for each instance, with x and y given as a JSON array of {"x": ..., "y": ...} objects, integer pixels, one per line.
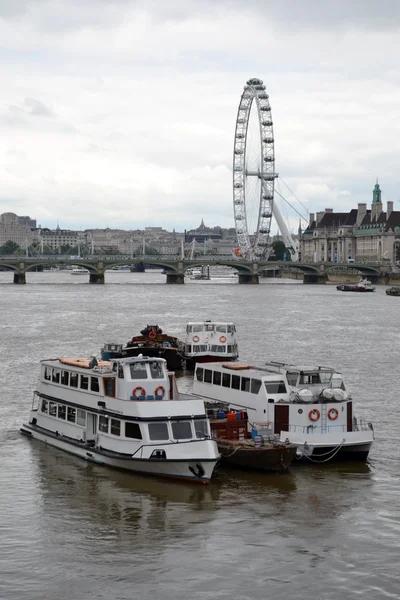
[
  {"x": 278, "y": 251},
  {"x": 9, "y": 248}
]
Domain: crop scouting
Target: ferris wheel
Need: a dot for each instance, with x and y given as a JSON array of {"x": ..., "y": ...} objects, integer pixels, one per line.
[{"x": 253, "y": 172}]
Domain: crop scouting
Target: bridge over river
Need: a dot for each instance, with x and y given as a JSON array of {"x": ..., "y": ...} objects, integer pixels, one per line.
[{"x": 174, "y": 267}]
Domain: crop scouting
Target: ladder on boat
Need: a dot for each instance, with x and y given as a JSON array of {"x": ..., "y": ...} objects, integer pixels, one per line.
[{"x": 324, "y": 418}]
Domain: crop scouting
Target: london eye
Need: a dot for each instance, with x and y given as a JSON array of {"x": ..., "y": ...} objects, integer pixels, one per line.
[{"x": 253, "y": 171}]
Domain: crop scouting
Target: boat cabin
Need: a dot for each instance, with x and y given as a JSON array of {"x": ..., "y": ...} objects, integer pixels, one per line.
[
  {"x": 211, "y": 338},
  {"x": 112, "y": 403},
  {"x": 284, "y": 397}
]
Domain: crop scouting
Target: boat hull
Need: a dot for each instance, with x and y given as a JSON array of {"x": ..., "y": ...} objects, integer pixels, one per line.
[
  {"x": 271, "y": 458},
  {"x": 322, "y": 454},
  {"x": 171, "y": 355},
  {"x": 197, "y": 470}
]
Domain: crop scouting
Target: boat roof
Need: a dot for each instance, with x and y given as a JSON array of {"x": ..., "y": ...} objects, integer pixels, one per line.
[
  {"x": 82, "y": 362},
  {"x": 210, "y": 323},
  {"x": 269, "y": 368}
]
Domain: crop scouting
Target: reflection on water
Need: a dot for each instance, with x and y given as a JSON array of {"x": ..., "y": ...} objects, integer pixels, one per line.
[{"x": 72, "y": 530}]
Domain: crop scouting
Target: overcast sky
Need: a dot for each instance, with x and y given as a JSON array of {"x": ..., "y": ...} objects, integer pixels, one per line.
[{"x": 121, "y": 113}]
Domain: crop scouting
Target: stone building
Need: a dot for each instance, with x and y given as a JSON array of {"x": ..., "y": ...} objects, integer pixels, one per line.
[
  {"x": 11, "y": 229},
  {"x": 360, "y": 235}
]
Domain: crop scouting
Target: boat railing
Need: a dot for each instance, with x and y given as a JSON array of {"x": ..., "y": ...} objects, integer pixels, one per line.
[
  {"x": 361, "y": 424},
  {"x": 316, "y": 428}
]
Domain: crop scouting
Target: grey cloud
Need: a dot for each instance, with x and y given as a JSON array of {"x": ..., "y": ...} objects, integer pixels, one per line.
[{"x": 37, "y": 108}]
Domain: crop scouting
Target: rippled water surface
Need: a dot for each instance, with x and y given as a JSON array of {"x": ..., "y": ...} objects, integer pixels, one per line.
[{"x": 70, "y": 530}]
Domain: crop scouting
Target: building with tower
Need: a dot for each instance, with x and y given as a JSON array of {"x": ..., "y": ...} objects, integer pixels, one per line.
[{"x": 360, "y": 235}]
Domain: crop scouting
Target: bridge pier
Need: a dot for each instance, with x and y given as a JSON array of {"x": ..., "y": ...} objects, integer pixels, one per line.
[
  {"x": 315, "y": 278},
  {"x": 19, "y": 278},
  {"x": 96, "y": 278},
  {"x": 248, "y": 278},
  {"x": 176, "y": 278}
]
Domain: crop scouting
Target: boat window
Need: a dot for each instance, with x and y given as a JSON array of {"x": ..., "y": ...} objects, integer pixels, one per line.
[
  {"x": 156, "y": 370},
  {"x": 120, "y": 371},
  {"x": 62, "y": 411},
  {"x": 188, "y": 328},
  {"x": 291, "y": 378},
  {"x": 47, "y": 373},
  {"x": 245, "y": 387},
  {"x": 209, "y": 328},
  {"x": 201, "y": 429},
  {"x": 182, "y": 430},
  {"x": 56, "y": 376},
  {"x": 44, "y": 406},
  {"x": 199, "y": 348},
  {"x": 325, "y": 377},
  {"x": 275, "y": 387},
  {"x": 231, "y": 329},
  {"x": 81, "y": 417},
  {"x": 115, "y": 427},
  {"x": 94, "y": 384},
  {"x": 197, "y": 328},
  {"x": 255, "y": 386},
  {"x": 217, "y": 377},
  {"x": 53, "y": 409},
  {"x": 138, "y": 370},
  {"x": 71, "y": 414},
  {"x": 235, "y": 382},
  {"x": 132, "y": 430},
  {"x": 158, "y": 431},
  {"x": 73, "y": 380},
  {"x": 229, "y": 349},
  {"x": 65, "y": 377},
  {"x": 188, "y": 347},
  {"x": 221, "y": 328},
  {"x": 309, "y": 378},
  {"x": 199, "y": 374},
  {"x": 103, "y": 424},
  {"x": 226, "y": 380},
  {"x": 84, "y": 382},
  {"x": 214, "y": 348},
  {"x": 109, "y": 386},
  {"x": 207, "y": 376}
]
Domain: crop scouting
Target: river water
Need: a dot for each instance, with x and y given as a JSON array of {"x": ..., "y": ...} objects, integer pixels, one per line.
[{"x": 71, "y": 530}]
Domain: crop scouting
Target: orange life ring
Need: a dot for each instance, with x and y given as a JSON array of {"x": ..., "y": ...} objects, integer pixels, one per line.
[
  {"x": 195, "y": 338},
  {"x": 159, "y": 389},
  {"x": 140, "y": 389},
  {"x": 314, "y": 415},
  {"x": 333, "y": 414},
  {"x": 222, "y": 339},
  {"x": 152, "y": 335}
]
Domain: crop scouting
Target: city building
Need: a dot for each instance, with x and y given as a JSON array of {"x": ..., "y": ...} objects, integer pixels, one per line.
[
  {"x": 12, "y": 230},
  {"x": 360, "y": 235}
]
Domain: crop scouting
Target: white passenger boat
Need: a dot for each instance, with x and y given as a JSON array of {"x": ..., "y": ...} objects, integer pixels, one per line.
[
  {"x": 124, "y": 413},
  {"x": 208, "y": 341},
  {"x": 306, "y": 406},
  {"x": 79, "y": 271}
]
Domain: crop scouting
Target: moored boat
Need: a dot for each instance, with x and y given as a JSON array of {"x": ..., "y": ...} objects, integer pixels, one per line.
[
  {"x": 151, "y": 342},
  {"x": 238, "y": 448},
  {"x": 208, "y": 341},
  {"x": 79, "y": 271},
  {"x": 362, "y": 286},
  {"x": 393, "y": 291},
  {"x": 125, "y": 413},
  {"x": 306, "y": 406}
]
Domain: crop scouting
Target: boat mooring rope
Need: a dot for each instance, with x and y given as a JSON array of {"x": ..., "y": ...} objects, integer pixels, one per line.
[{"x": 331, "y": 452}]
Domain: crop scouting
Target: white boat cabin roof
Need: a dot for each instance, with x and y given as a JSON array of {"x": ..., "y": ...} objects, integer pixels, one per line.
[
  {"x": 100, "y": 367},
  {"x": 269, "y": 369}
]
